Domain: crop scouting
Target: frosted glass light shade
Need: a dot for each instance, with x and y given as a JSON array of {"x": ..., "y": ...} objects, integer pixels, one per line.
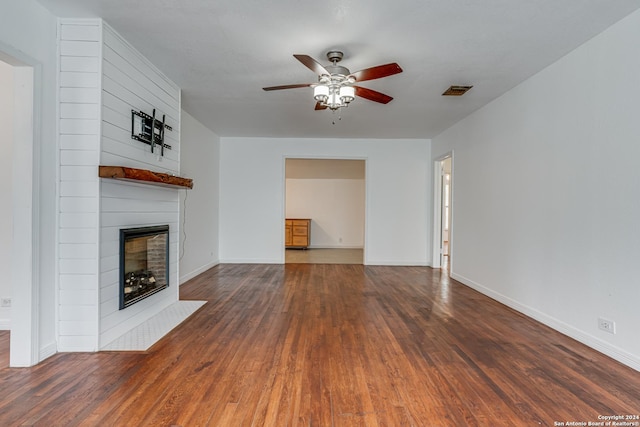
[
  {"x": 321, "y": 93},
  {"x": 347, "y": 94}
]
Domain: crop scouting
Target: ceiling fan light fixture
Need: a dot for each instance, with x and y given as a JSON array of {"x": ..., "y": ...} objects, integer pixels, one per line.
[{"x": 335, "y": 87}]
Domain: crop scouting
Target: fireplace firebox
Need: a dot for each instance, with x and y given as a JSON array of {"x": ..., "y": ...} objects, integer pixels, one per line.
[{"x": 144, "y": 263}]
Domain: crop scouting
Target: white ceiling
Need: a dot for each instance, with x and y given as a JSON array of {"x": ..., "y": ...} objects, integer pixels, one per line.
[{"x": 221, "y": 53}]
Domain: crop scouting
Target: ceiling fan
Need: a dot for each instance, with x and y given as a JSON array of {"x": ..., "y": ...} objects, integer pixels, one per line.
[{"x": 336, "y": 84}]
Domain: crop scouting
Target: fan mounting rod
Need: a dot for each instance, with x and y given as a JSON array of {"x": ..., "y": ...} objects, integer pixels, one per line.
[{"x": 334, "y": 56}]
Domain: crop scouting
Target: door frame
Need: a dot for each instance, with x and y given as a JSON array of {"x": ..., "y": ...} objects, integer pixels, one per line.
[
  {"x": 436, "y": 261},
  {"x": 24, "y": 337},
  {"x": 284, "y": 195}
]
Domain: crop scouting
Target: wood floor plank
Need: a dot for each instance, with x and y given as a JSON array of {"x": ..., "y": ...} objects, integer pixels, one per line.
[{"x": 328, "y": 345}]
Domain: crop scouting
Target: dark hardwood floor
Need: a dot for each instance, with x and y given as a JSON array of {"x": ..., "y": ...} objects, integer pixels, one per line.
[{"x": 329, "y": 345}]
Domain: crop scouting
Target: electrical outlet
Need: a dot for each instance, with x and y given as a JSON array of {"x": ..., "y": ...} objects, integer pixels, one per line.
[
  {"x": 5, "y": 302},
  {"x": 607, "y": 325}
]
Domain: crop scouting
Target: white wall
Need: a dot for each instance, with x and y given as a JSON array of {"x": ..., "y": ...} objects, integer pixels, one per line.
[
  {"x": 546, "y": 197},
  {"x": 252, "y": 191},
  {"x": 200, "y": 161},
  {"x": 6, "y": 186},
  {"x": 28, "y": 33},
  {"x": 336, "y": 208}
]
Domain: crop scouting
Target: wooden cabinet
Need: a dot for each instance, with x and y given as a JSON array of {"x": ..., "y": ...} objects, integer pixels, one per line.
[{"x": 297, "y": 232}]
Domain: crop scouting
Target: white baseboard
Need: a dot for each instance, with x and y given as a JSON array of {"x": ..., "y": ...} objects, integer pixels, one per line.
[
  {"x": 48, "y": 351},
  {"x": 397, "y": 263},
  {"x": 251, "y": 261},
  {"x": 604, "y": 347},
  {"x": 334, "y": 247},
  {"x": 5, "y": 324},
  {"x": 198, "y": 271}
]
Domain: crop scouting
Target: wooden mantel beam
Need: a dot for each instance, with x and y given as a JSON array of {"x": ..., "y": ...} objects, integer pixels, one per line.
[{"x": 144, "y": 176}]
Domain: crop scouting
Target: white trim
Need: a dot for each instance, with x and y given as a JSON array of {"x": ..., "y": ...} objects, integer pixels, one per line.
[
  {"x": 197, "y": 271},
  {"x": 5, "y": 324},
  {"x": 606, "y": 348}
]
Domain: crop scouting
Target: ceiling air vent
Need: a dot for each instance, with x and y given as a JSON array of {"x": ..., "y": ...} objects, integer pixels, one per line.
[{"x": 456, "y": 90}]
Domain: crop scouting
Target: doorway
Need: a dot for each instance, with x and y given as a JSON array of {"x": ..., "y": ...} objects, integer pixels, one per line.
[
  {"x": 443, "y": 212},
  {"x": 329, "y": 194},
  {"x": 19, "y": 119}
]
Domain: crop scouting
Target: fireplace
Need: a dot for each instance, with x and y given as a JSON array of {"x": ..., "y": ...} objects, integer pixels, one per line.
[{"x": 144, "y": 263}]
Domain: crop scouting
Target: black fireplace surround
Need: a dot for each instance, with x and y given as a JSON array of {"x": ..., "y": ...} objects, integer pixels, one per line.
[{"x": 144, "y": 263}]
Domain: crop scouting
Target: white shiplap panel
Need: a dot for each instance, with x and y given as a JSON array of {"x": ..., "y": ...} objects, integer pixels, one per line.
[
  {"x": 110, "y": 293},
  {"x": 121, "y": 118},
  {"x": 79, "y": 204},
  {"x": 120, "y": 99},
  {"x": 80, "y": 312},
  {"x": 109, "y": 263},
  {"x": 84, "y": 80},
  {"x": 78, "y": 220},
  {"x": 79, "y": 89},
  {"x": 79, "y": 173},
  {"x": 78, "y": 188},
  {"x": 79, "y": 158},
  {"x": 115, "y": 61},
  {"x": 82, "y": 64},
  {"x": 80, "y": 48},
  {"x": 109, "y": 248},
  {"x": 80, "y": 142},
  {"x": 112, "y": 134},
  {"x": 130, "y": 85},
  {"x": 79, "y": 111},
  {"x": 137, "y": 153},
  {"x": 82, "y": 95},
  {"x": 139, "y": 62},
  {"x": 81, "y": 31},
  {"x": 119, "y": 189},
  {"x": 108, "y": 278},
  {"x": 133, "y": 205},
  {"x": 79, "y": 126},
  {"x": 77, "y": 281},
  {"x": 81, "y": 297},
  {"x": 77, "y": 327},
  {"x": 78, "y": 235},
  {"x": 77, "y": 266},
  {"x": 73, "y": 343},
  {"x": 78, "y": 251},
  {"x": 136, "y": 219}
]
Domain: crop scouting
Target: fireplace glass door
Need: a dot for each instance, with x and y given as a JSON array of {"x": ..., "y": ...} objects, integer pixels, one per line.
[{"x": 144, "y": 263}]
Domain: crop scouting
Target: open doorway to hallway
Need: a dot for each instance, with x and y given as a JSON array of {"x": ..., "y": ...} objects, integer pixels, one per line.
[
  {"x": 329, "y": 196},
  {"x": 443, "y": 212},
  {"x": 18, "y": 231},
  {"x": 6, "y": 209}
]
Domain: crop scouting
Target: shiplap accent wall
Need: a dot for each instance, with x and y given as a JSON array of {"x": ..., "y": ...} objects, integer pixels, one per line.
[
  {"x": 102, "y": 78},
  {"x": 130, "y": 82},
  {"x": 79, "y": 141}
]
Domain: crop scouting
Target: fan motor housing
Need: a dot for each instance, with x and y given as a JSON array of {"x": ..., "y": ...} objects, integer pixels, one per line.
[{"x": 337, "y": 69}]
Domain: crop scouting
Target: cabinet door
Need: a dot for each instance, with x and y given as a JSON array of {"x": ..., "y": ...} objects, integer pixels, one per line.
[{"x": 287, "y": 236}]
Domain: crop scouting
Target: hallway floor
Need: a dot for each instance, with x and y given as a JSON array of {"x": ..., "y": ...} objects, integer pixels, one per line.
[{"x": 324, "y": 256}]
